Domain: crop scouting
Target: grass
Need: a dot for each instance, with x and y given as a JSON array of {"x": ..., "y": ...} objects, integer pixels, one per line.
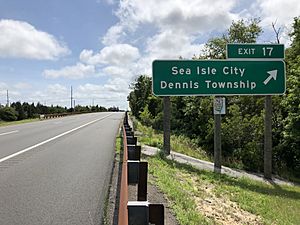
[
  {"x": 119, "y": 143},
  {"x": 4, "y": 123},
  {"x": 179, "y": 194},
  {"x": 276, "y": 204},
  {"x": 188, "y": 189},
  {"x": 180, "y": 144},
  {"x": 184, "y": 186}
]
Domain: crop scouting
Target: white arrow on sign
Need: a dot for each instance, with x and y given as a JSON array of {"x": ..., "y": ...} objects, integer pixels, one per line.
[{"x": 273, "y": 74}]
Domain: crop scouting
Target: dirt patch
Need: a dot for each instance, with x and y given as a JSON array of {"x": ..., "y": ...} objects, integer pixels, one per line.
[
  {"x": 218, "y": 208},
  {"x": 224, "y": 211}
]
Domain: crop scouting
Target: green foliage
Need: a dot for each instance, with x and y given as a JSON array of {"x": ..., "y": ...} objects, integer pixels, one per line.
[
  {"x": 239, "y": 32},
  {"x": 179, "y": 143},
  {"x": 8, "y": 114},
  {"x": 243, "y": 124},
  {"x": 289, "y": 143},
  {"x": 145, "y": 116},
  {"x": 242, "y": 137},
  {"x": 138, "y": 98},
  {"x": 185, "y": 185},
  {"x": 243, "y": 31},
  {"x": 179, "y": 193},
  {"x": 22, "y": 111}
]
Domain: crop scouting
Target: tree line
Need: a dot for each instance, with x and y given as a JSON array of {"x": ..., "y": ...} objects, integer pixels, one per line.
[
  {"x": 21, "y": 111},
  {"x": 243, "y": 124}
]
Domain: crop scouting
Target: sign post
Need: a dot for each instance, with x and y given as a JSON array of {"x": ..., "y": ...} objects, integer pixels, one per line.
[
  {"x": 167, "y": 125},
  {"x": 219, "y": 108}
]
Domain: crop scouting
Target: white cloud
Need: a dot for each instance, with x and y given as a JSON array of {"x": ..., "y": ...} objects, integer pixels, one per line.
[
  {"x": 77, "y": 71},
  {"x": 113, "y": 34},
  {"x": 111, "y": 89},
  {"x": 111, "y": 94},
  {"x": 12, "y": 94},
  {"x": 19, "y": 39},
  {"x": 3, "y": 86},
  {"x": 172, "y": 45},
  {"x": 51, "y": 94},
  {"x": 190, "y": 16},
  {"x": 176, "y": 25},
  {"x": 88, "y": 57},
  {"x": 57, "y": 90},
  {"x": 117, "y": 85},
  {"x": 114, "y": 54},
  {"x": 117, "y": 71},
  {"x": 277, "y": 10},
  {"x": 22, "y": 85}
]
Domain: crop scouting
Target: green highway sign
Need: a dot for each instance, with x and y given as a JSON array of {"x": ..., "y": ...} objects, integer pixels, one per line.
[
  {"x": 246, "y": 51},
  {"x": 217, "y": 77}
]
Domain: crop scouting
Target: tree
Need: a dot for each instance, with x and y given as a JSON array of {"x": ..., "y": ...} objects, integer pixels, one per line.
[
  {"x": 19, "y": 109},
  {"x": 288, "y": 149},
  {"x": 240, "y": 31},
  {"x": 138, "y": 97},
  {"x": 8, "y": 114}
]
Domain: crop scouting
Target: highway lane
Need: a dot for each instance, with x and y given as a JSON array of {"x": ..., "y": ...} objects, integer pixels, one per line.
[
  {"x": 63, "y": 181},
  {"x": 33, "y": 133}
]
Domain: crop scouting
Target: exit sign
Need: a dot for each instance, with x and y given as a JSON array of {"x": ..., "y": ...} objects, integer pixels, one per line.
[
  {"x": 218, "y": 77},
  {"x": 257, "y": 51}
]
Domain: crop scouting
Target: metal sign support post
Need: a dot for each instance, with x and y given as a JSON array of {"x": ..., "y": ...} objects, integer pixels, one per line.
[
  {"x": 167, "y": 125},
  {"x": 268, "y": 138},
  {"x": 219, "y": 108}
]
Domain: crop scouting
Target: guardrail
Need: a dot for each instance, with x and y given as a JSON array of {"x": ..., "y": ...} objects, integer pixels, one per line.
[
  {"x": 123, "y": 212},
  {"x": 134, "y": 171},
  {"x": 56, "y": 115}
]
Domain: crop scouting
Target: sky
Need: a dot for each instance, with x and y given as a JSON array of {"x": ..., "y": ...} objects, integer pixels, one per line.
[{"x": 99, "y": 47}]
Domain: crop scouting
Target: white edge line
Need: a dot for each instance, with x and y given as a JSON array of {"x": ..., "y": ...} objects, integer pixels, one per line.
[
  {"x": 10, "y": 132},
  {"x": 51, "y": 139}
]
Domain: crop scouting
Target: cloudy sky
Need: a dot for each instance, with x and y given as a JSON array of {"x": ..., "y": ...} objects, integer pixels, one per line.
[{"x": 100, "y": 46}]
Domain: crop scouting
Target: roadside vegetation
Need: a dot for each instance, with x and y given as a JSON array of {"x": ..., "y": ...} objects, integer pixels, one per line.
[
  {"x": 201, "y": 197},
  {"x": 181, "y": 144},
  {"x": 18, "y": 112},
  {"x": 5, "y": 123},
  {"x": 243, "y": 125}
]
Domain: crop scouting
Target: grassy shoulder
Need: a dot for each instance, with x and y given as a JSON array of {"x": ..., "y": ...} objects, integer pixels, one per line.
[
  {"x": 180, "y": 144},
  {"x": 4, "y": 123},
  {"x": 119, "y": 143},
  {"x": 201, "y": 197}
]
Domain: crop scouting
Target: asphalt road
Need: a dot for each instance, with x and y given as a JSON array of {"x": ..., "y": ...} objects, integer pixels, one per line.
[{"x": 57, "y": 171}]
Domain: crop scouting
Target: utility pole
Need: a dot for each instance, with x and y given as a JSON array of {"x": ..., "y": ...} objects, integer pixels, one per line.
[
  {"x": 7, "y": 99},
  {"x": 71, "y": 97}
]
